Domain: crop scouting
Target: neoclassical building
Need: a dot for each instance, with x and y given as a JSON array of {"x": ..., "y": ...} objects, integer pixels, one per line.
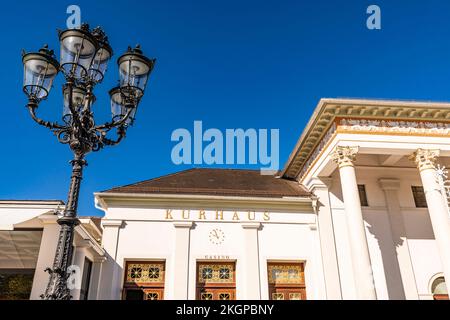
[{"x": 359, "y": 211}]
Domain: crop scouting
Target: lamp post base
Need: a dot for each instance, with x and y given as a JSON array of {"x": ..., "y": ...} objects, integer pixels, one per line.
[{"x": 57, "y": 288}]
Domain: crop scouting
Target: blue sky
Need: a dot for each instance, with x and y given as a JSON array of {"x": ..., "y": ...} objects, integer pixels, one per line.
[{"x": 231, "y": 64}]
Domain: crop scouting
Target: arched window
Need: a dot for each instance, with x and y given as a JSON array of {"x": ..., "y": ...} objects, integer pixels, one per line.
[{"x": 439, "y": 289}]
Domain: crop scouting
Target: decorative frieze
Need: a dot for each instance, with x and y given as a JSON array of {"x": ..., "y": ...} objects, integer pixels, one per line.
[
  {"x": 216, "y": 273},
  {"x": 358, "y": 125},
  {"x": 416, "y": 118},
  {"x": 393, "y": 126}
]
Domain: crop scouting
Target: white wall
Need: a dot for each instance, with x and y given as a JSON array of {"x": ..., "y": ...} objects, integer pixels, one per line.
[
  {"x": 45, "y": 258},
  {"x": 299, "y": 242},
  {"x": 146, "y": 235}
]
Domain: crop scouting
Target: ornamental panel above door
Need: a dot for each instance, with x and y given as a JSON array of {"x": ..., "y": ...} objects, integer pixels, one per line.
[{"x": 216, "y": 280}]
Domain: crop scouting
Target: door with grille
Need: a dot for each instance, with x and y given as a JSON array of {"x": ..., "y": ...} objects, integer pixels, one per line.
[
  {"x": 216, "y": 281},
  {"x": 144, "y": 280},
  {"x": 286, "y": 281}
]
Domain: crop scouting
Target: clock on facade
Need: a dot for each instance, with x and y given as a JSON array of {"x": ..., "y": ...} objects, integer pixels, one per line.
[{"x": 216, "y": 236}]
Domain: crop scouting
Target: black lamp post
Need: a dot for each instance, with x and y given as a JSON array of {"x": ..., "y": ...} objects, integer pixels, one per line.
[{"x": 83, "y": 60}]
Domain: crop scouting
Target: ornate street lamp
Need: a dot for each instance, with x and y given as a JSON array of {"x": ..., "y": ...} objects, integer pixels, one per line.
[{"x": 83, "y": 61}]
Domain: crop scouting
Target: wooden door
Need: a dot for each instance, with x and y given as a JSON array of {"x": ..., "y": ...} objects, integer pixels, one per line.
[
  {"x": 287, "y": 294},
  {"x": 154, "y": 294},
  {"x": 217, "y": 294},
  {"x": 216, "y": 281},
  {"x": 144, "y": 280},
  {"x": 286, "y": 281}
]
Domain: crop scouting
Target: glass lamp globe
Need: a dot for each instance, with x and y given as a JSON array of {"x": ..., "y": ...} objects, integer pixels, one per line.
[
  {"x": 134, "y": 70},
  {"x": 104, "y": 53},
  {"x": 40, "y": 69},
  {"x": 119, "y": 107},
  {"x": 78, "y": 100},
  {"x": 78, "y": 49}
]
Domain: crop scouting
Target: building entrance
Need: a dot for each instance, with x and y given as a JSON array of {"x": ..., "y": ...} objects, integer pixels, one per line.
[{"x": 216, "y": 281}]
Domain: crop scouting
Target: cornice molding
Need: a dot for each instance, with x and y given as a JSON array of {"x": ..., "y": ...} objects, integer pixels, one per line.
[
  {"x": 327, "y": 111},
  {"x": 204, "y": 202}
]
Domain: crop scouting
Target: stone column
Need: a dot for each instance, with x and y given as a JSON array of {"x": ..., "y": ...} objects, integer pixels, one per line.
[
  {"x": 94, "y": 287},
  {"x": 251, "y": 261},
  {"x": 400, "y": 242},
  {"x": 320, "y": 188},
  {"x": 46, "y": 255},
  {"x": 181, "y": 260},
  {"x": 111, "y": 277},
  {"x": 437, "y": 206},
  {"x": 362, "y": 269}
]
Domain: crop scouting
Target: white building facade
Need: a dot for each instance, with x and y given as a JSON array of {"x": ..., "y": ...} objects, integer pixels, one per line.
[
  {"x": 28, "y": 238},
  {"x": 360, "y": 211},
  {"x": 211, "y": 246},
  {"x": 374, "y": 166}
]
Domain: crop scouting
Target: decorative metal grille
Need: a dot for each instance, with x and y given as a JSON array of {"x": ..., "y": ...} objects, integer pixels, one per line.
[
  {"x": 145, "y": 272},
  {"x": 152, "y": 296},
  {"x": 224, "y": 296},
  {"x": 286, "y": 274},
  {"x": 215, "y": 273},
  {"x": 207, "y": 296},
  {"x": 224, "y": 273},
  {"x": 295, "y": 296},
  {"x": 277, "y": 296},
  {"x": 207, "y": 273}
]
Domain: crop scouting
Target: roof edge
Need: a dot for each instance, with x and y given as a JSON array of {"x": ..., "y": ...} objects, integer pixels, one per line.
[
  {"x": 355, "y": 102},
  {"x": 182, "y": 201},
  {"x": 32, "y": 202},
  {"x": 197, "y": 197}
]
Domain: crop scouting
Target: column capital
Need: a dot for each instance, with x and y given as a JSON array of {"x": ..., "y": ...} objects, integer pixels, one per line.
[
  {"x": 251, "y": 225},
  {"x": 425, "y": 158},
  {"x": 344, "y": 156},
  {"x": 113, "y": 223}
]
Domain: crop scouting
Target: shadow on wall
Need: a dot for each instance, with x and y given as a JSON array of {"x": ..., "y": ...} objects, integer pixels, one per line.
[
  {"x": 381, "y": 230},
  {"x": 417, "y": 226},
  {"x": 110, "y": 286}
]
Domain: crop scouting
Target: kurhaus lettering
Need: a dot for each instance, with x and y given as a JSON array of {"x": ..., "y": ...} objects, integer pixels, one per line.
[{"x": 217, "y": 215}]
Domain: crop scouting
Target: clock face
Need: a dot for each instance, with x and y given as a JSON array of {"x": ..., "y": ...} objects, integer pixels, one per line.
[{"x": 216, "y": 236}]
